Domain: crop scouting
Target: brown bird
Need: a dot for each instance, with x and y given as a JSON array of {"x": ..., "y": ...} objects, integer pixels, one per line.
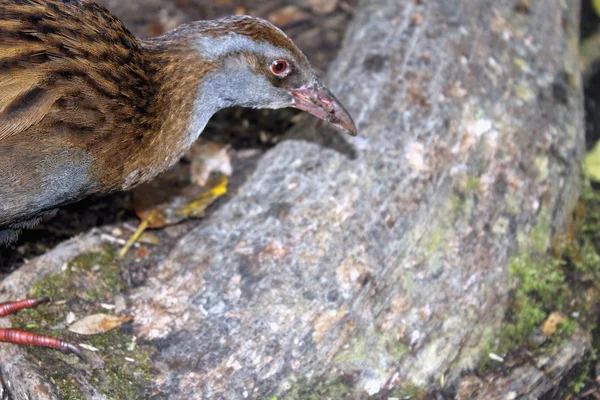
[{"x": 86, "y": 107}]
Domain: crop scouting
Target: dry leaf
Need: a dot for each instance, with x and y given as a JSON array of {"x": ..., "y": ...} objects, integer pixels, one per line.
[
  {"x": 323, "y": 6},
  {"x": 551, "y": 323},
  {"x": 149, "y": 238},
  {"x": 191, "y": 202},
  {"x": 416, "y": 19},
  {"x": 98, "y": 323},
  {"x": 158, "y": 207},
  {"x": 287, "y": 15},
  {"x": 213, "y": 190},
  {"x": 206, "y": 158},
  {"x": 523, "y": 6}
]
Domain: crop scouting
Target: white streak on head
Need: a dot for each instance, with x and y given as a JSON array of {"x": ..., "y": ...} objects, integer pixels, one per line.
[{"x": 213, "y": 48}]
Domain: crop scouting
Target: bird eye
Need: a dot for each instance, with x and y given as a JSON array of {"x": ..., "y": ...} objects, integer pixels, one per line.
[{"x": 280, "y": 68}]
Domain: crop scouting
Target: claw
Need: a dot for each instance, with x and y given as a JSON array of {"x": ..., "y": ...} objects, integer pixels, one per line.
[
  {"x": 71, "y": 348},
  {"x": 42, "y": 300}
]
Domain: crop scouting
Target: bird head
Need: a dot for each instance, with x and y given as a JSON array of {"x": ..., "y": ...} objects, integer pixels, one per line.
[{"x": 260, "y": 67}]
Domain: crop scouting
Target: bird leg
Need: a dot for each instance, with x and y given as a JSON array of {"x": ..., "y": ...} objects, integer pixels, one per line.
[{"x": 23, "y": 337}]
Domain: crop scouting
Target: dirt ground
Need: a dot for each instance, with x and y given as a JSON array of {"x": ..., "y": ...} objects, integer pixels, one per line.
[{"x": 317, "y": 26}]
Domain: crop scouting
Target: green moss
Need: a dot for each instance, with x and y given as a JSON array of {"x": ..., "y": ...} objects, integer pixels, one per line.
[
  {"x": 434, "y": 240},
  {"x": 541, "y": 279},
  {"x": 337, "y": 389},
  {"x": 473, "y": 184},
  {"x": 455, "y": 202},
  {"x": 578, "y": 246},
  {"x": 102, "y": 272},
  {"x": 381, "y": 347},
  {"x": 93, "y": 276},
  {"x": 102, "y": 278},
  {"x": 88, "y": 261},
  {"x": 541, "y": 289},
  {"x": 54, "y": 286},
  {"x": 521, "y": 64},
  {"x": 68, "y": 388},
  {"x": 408, "y": 392},
  {"x": 580, "y": 377},
  {"x": 88, "y": 280},
  {"x": 557, "y": 280},
  {"x": 512, "y": 206},
  {"x": 355, "y": 352},
  {"x": 567, "y": 328},
  {"x": 540, "y": 238},
  {"x": 589, "y": 211},
  {"x": 125, "y": 366},
  {"x": 461, "y": 202}
]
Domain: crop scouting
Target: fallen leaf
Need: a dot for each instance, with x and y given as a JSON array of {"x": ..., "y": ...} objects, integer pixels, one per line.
[
  {"x": 551, "y": 323},
  {"x": 142, "y": 252},
  {"x": 323, "y": 6},
  {"x": 191, "y": 202},
  {"x": 416, "y": 19},
  {"x": 197, "y": 207},
  {"x": 288, "y": 15},
  {"x": 523, "y": 6},
  {"x": 596, "y": 5},
  {"x": 98, "y": 323},
  {"x": 206, "y": 158},
  {"x": 149, "y": 238}
]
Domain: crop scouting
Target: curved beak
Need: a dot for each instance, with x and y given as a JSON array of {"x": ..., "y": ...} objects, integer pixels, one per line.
[{"x": 318, "y": 101}]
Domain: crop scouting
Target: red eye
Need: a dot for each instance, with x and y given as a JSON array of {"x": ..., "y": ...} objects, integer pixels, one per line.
[{"x": 279, "y": 67}]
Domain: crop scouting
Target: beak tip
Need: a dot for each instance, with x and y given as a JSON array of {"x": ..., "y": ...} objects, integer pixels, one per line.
[
  {"x": 351, "y": 130},
  {"x": 319, "y": 102},
  {"x": 346, "y": 122}
]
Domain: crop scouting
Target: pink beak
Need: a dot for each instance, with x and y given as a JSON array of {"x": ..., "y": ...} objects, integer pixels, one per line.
[{"x": 318, "y": 101}]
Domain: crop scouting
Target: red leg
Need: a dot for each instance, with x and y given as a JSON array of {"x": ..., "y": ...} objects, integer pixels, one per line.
[
  {"x": 23, "y": 337},
  {"x": 12, "y": 307}
]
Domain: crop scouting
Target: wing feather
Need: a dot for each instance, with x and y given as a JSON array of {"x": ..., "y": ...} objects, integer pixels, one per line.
[
  {"x": 23, "y": 103},
  {"x": 67, "y": 66}
]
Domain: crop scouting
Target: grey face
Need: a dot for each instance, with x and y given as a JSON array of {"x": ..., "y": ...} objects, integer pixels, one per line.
[
  {"x": 256, "y": 73},
  {"x": 249, "y": 87}
]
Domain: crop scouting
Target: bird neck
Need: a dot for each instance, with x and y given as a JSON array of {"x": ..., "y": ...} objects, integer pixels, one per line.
[
  {"x": 178, "y": 75},
  {"x": 185, "y": 90},
  {"x": 174, "y": 116}
]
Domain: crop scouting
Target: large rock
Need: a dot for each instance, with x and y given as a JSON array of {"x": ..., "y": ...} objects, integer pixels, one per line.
[{"x": 378, "y": 262}]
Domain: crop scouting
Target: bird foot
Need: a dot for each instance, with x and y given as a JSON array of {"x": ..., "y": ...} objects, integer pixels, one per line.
[{"x": 17, "y": 336}]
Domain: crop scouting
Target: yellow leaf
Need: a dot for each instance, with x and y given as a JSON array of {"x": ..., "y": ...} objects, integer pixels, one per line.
[
  {"x": 197, "y": 207},
  {"x": 140, "y": 231},
  {"x": 165, "y": 215},
  {"x": 596, "y": 4},
  {"x": 551, "y": 324}
]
